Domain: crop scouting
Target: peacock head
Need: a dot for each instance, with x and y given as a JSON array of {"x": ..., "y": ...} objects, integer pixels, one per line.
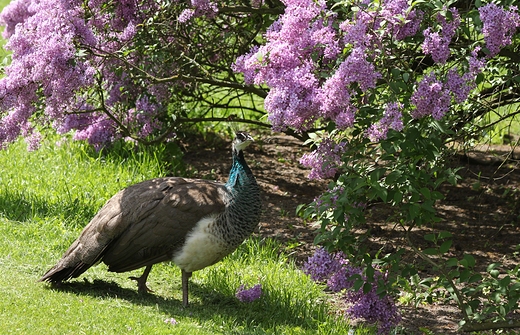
[{"x": 242, "y": 140}]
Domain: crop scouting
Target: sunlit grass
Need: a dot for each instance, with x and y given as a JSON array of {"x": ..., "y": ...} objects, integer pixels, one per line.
[
  {"x": 47, "y": 196},
  {"x": 506, "y": 131}
]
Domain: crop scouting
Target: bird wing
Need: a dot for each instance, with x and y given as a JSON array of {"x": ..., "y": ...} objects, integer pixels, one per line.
[
  {"x": 142, "y": 224},
  {"x": 155, "y": 237}
]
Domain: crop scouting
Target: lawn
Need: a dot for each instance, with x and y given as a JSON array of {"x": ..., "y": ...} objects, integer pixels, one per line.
[{"x": 47, "y": 196}]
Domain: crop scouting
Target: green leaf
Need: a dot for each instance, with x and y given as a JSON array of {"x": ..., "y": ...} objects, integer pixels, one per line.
[
  {"x": 392, "y": 177},
  {"x": 494, "y": 273},
  {"x": 357, "y": 284},
  {"x": 504, "y": 282},
  {"x": 475, "y": 278},
  {"x": 467, "y": 261},
  {"x": 451, "y": 262},
  {"x": 370, "y": 272},
  {"x": 377, "y": 174},
  {"x": 398, "y": 197},
  {"x": 465, "y": 275},
  {"x": 492, "y": 266},
  {"x": 429, "y": 237},
  {"x": 445, "y": 246},
  {"x": 413, "y": 211},
  {"x": 396, "y": 73},
  {"x": 367, "y": 287},
  {"x": 425, "y": 192},
  {"x": 445, "y": 234},
  {"x": 430, "y": 251}
]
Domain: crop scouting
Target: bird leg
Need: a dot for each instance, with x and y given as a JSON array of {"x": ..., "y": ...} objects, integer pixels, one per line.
[
  {"x": 185, "y": 277},
  {"x": 141, "y": 281}
]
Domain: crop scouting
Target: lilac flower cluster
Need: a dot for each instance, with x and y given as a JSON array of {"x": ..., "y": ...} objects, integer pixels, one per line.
[
  {"x": 51, "y": 72},
  {"x": 436, "y": 44},
  {"x": 392, "y": 119},
  {"x": 250, "y": 294},
  {"x": 335, "y": 270},
  {"x": 325, "y": 160},
  {"x": 199, "y": 8},
  {"x": 41, "y": 43},
  {"x": 499, "y": 25},
  {"x": 304, "y": 44},
  {"x": 404, "y": 22},
  {"x": 311, "y": 79},
  {"x": 300, "y": 46},
  {"x": 430, "y": 98},
  {"x": 434, "y": 96}
]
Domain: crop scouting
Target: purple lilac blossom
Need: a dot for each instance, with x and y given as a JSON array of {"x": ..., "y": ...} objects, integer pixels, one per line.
[
  {"x": 374, "y": 308},
  {"x": 44, "y": 37},
  {"x": 99, "y": 132},
  {"x": 204, "y": 8},
  {"x": 403, "y": 21},
  {"x": 186, "y": 15},
  {"x": 18, "y": 11},
  {"x": 335, "y": 270},
  {"x": 435, "y": 43},
  {"x": 434, "y": 97},
  {"x": 325, "y": 160},
  {"x": 298, "y": 95},
  {"x": 285, "y": 63},
  {"x": 430, "y": 98},
  {"x": 250, "y": 294},
  {"x": 145, "y": 114},
  {"x": 461, "y": 85},
  {"x": 42, "y": 46},
  {"x": 33, "y": 140},
  {"x": 321, "y": 265},
  {"x": 334, "y": 95},
  {"x": 198, "y": 8},
  {"x": 499, "y": 25},
  {"x": 392, "y": 119}
]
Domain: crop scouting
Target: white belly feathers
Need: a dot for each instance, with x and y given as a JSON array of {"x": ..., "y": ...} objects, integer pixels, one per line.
[{"x": 202, "y": 248}]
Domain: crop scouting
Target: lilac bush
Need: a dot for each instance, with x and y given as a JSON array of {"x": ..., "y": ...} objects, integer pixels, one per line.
[
  {"x": 105, "y": 70},
  {"x": 335, "y": 270},
  {"x": 382, "y": 86},
  {"x": 321, "y": 65},
  {"x": 324, "y": 161},
  {"x": 499, "y": 25},
  {"x": 437, "y": 44}
]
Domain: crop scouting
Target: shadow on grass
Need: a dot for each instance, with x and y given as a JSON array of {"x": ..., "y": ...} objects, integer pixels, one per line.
[
  {"x": 17, "y": 206},
  {"x": 265, "y": 313}
]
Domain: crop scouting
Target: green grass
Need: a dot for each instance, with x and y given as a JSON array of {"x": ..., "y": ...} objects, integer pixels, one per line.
[
  {"x": 506, "y": 131},
  {"x": 47, "y": 196}
]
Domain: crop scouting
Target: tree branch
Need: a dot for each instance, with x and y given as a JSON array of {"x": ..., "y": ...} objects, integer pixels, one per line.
[
  {"x": 473, "y": 327},
  {"x": 231, "y": 118}
]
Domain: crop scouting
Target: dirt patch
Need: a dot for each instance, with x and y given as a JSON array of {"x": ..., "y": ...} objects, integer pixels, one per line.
[{"x": 482, "y": 211}]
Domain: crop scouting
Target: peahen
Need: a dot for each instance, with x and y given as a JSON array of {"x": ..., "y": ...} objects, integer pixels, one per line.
[{"x": 192, "y": 222}]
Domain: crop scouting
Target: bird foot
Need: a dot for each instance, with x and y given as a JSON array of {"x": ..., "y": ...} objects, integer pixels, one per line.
[{"x": 141, "y": 285}]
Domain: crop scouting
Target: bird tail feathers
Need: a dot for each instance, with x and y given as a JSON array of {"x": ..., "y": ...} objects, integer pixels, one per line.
[{"x": 59, "y": 273}]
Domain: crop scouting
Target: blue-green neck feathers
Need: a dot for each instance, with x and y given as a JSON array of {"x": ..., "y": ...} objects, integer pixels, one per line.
[{"x": 240, "y": 173}]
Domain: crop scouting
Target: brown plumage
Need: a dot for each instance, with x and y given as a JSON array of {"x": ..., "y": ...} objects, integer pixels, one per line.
[{"x": 193, "y": 222}]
